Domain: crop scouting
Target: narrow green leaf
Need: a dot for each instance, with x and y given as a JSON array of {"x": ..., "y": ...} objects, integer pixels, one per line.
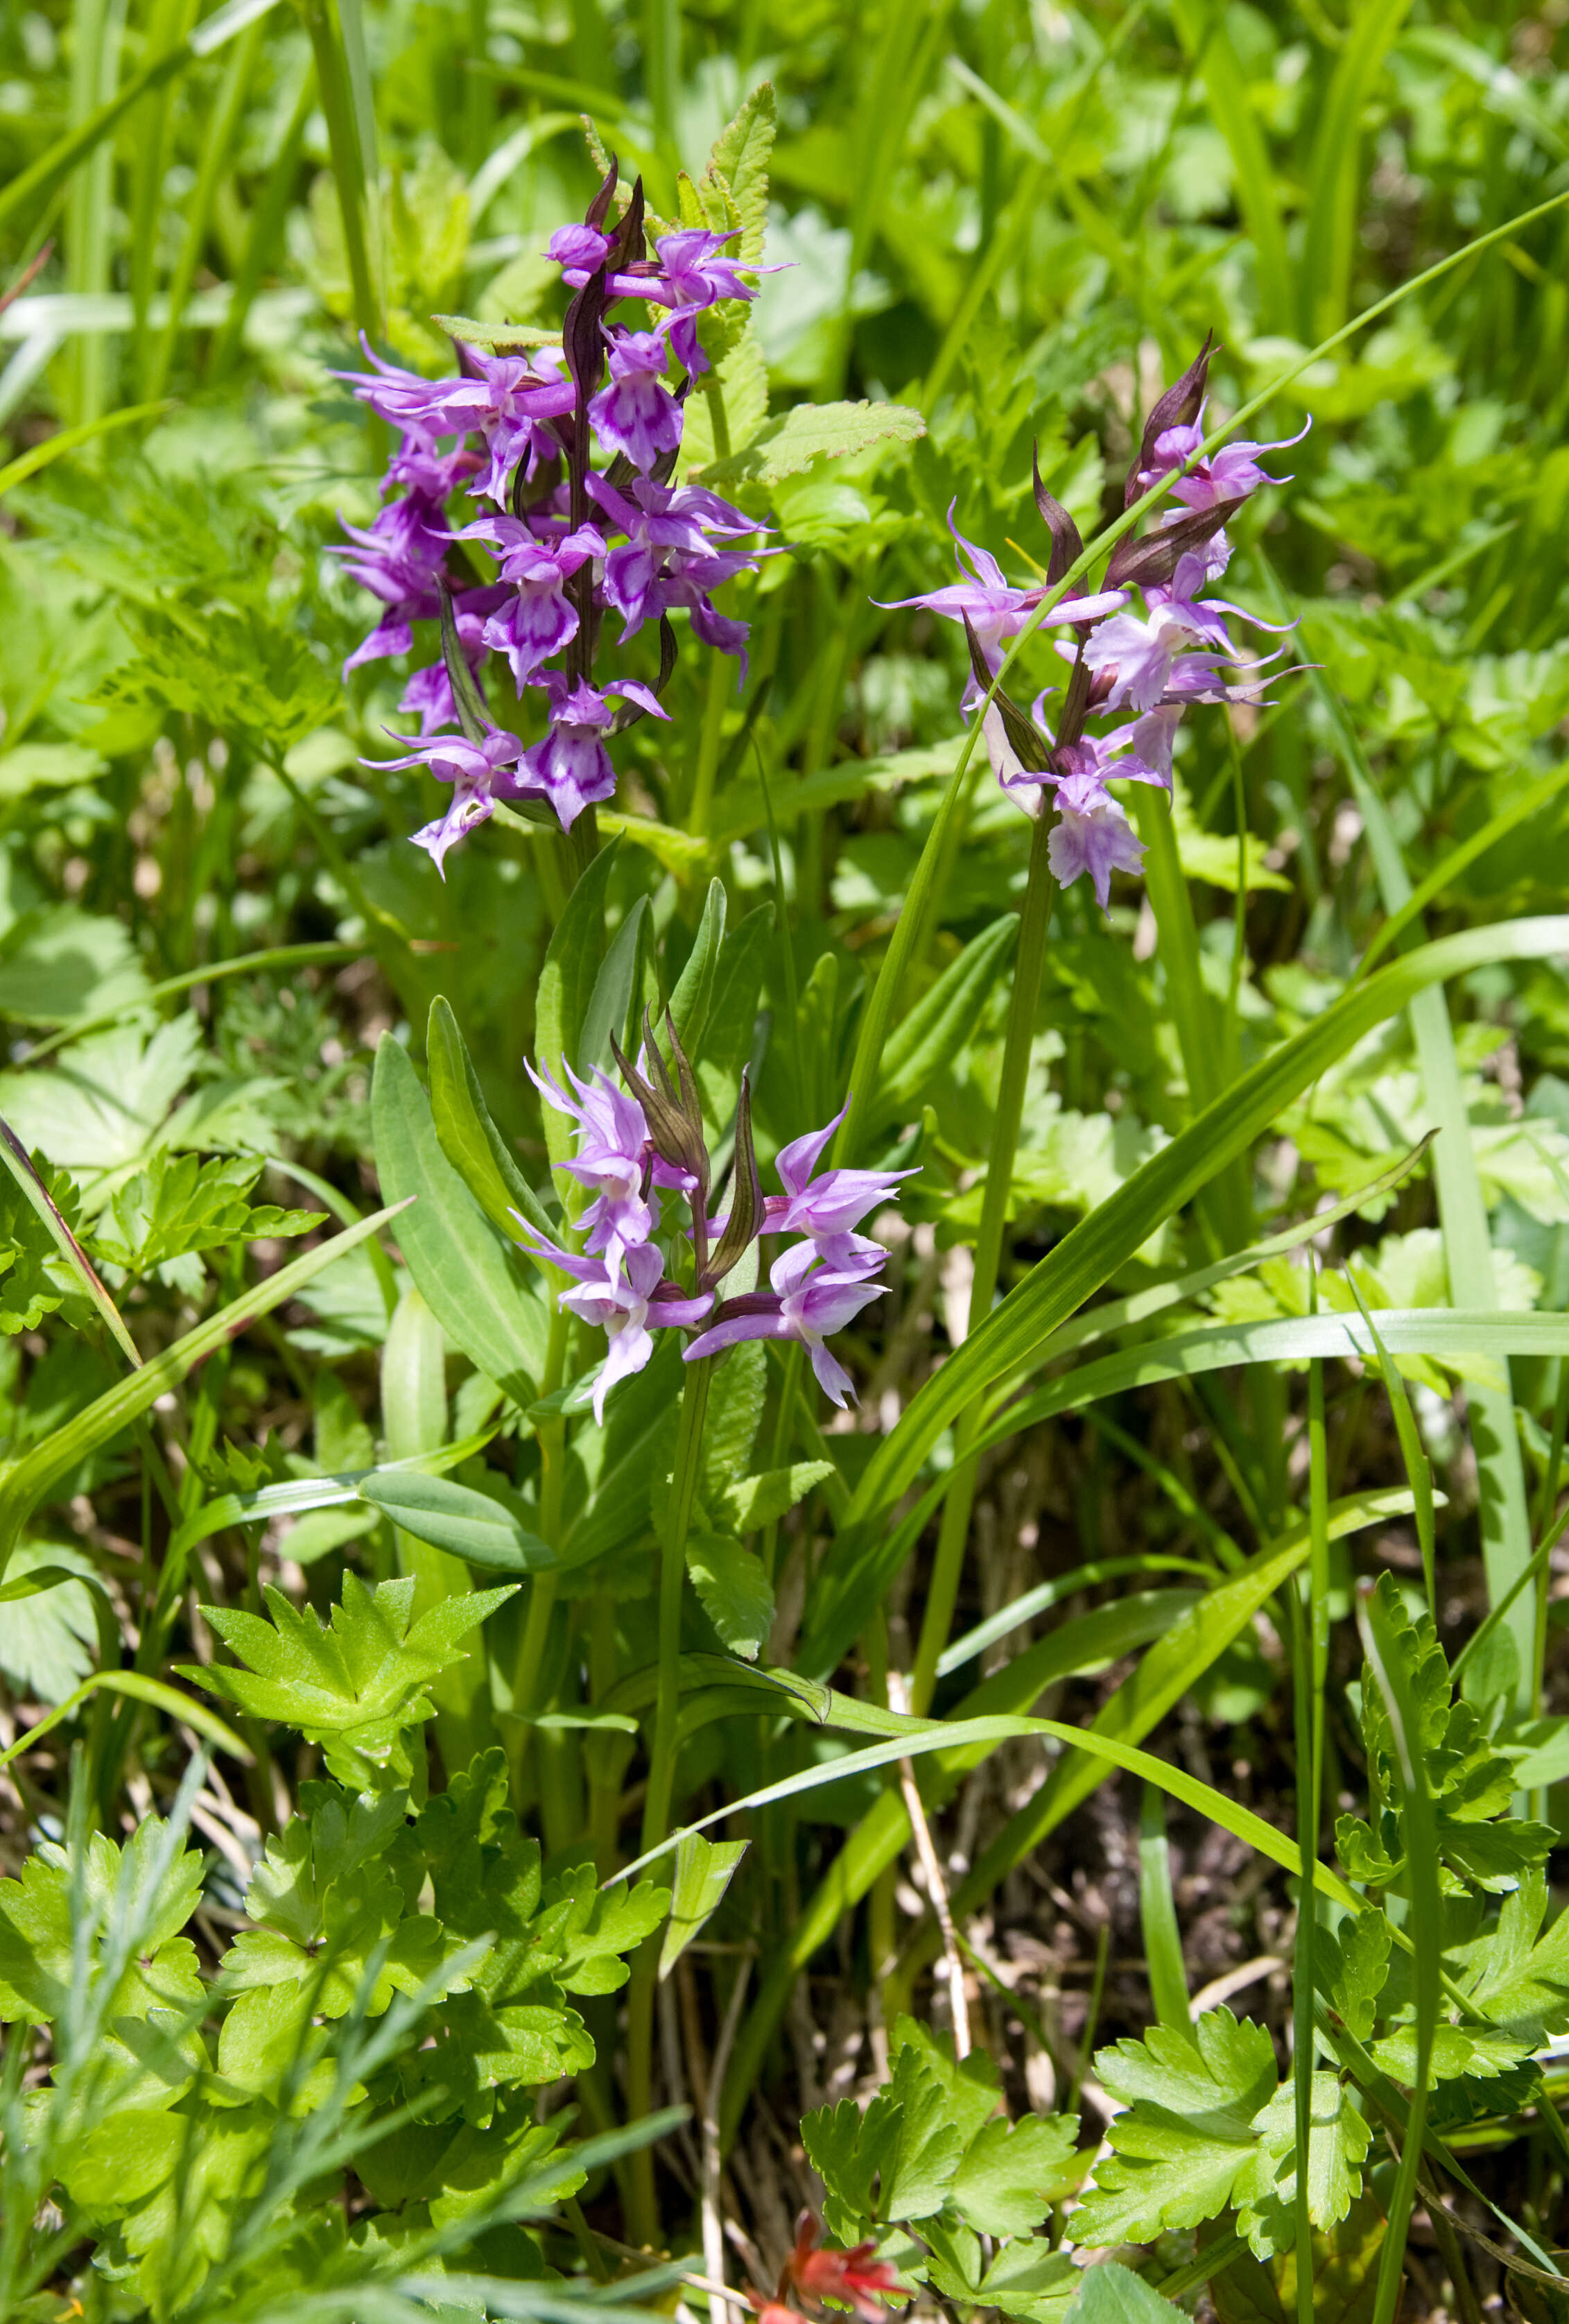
[
  {"x": 466, "y": 1273},
  {"x": 1158, "y": 1918},
  {"x": 703, "y": 1871},
  {"x": 455, "y": 1517},
  {"x": 469, "y": 1137},
  {"x": 693, "y": 995},
  {"x": 931, "y": 1036},
  {"x": 609, "y": 1001}
]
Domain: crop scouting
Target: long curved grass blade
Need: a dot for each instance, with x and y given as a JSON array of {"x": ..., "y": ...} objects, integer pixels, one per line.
[
  {"x": 1014, "y": 1616},
  {"x": 965, "y": 1733},
  {"x": 1422, "y": 1880},
  {"x": 1440, "y": 1332},
  {"x": 141, "y": 1689},
  {"x": 70, "y": 439},
  {"x": 25, "y": 1482},
  {"x": 1115, "y": 1315},
  {"x": 16, "y": 1159},
  {"x": 1158, "y": 1917}
]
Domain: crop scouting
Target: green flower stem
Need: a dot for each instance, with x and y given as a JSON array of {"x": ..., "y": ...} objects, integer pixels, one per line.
[
  {"x": 542, "y": 1590},
  {"x": 1023, "y": 1002},
  {"x": 642, "y": 2214}
]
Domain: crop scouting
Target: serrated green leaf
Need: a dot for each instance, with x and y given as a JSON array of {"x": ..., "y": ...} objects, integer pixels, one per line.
[
  {"x": 734, "y": 1588},
  {"x": 1338, "y": 2141},
  {"x": 1356, "y": 1963},
  {"x": 1011, "y": 2170},
  {"x": 762, "y": 1500},
  {"x": 234, "y": 671},
  {"x": 740, "y": 155},
  {"x": 783, "y": 446},
  {"x": 178, "y": 1204},
  {"x": 363, "y": 1669},
  {"x": 1188, "y": 2130}
]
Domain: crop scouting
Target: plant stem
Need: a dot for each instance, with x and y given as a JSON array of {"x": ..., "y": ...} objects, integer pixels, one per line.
[
  {"x": 988, "y": 1252},
  {"x": 542, "y": 1590},
  {"x": 642, "y": 2218}
]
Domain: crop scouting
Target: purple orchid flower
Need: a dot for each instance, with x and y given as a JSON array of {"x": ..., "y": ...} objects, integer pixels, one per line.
[
  {"x": 826, "y": 1207},
  {"x": 1229, "y": 474},
  {"x": 622, "y": 1300},
  {"x": 428, "y": 694},
  {"x": 669, "y": 536},
  {"x": 997, "y": 611},
  {"x": 695, "y": 274},
  {"x": 398, "y": 558},
  {"x": 509, "y": 402},
  {"x": 536, "y": 618},
  {"x": 612, "y": 1158},
  {"x": 1091, "y": 834},
  {"x": 637, "y": 413},
  {"x": 804, "y": 1305},
  {"x": 476, "y": 771},
  {"x": 571, "y": 768}
]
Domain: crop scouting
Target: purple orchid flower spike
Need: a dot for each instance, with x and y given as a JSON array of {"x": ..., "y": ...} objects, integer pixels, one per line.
[
  {"x": 804, "y": 1306},
  {"x": 506, "y": 453},
  {"x": 1151, "y": 665}
]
